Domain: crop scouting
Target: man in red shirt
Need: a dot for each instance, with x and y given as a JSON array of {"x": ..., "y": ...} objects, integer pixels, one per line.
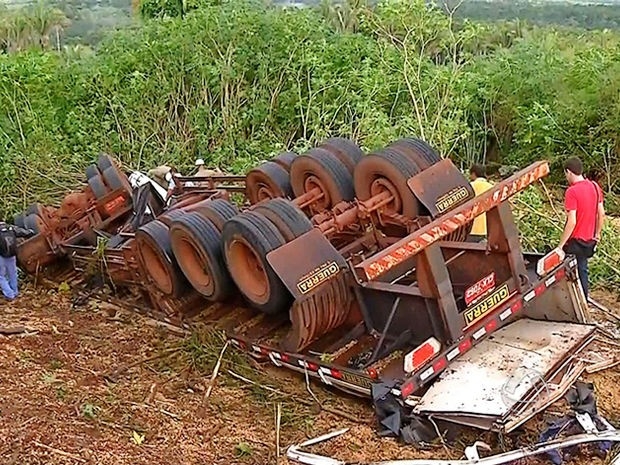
[{"x": 585, "y": 215}]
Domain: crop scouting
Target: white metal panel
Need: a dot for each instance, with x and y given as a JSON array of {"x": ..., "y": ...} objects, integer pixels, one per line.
[{"x": 495, "y": 375}]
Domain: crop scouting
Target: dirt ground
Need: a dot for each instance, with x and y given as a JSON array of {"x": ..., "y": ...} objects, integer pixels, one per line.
[{"x": 98, "y": 385}]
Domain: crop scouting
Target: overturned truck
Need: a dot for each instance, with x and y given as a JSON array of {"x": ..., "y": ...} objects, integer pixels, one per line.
[{"x": 354, "y": 269}]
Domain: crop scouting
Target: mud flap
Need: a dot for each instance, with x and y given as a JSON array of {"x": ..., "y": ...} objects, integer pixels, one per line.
[
  {"x": 441, "y": 188},
  {"x": 306, "y": 263},
  {"x": 314, "y": 272}
]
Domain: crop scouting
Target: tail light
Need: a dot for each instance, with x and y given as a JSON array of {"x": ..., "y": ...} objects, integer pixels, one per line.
[
  {"x": 421, "y": 354},
  {"x": 550, "y": 261}
]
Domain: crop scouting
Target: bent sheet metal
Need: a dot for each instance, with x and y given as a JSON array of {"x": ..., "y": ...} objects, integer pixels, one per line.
[{"x": 525, "y": 366}]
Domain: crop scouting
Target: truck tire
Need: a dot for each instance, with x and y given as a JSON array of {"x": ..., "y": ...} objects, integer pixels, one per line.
[
  {"x": 346, "y": 150},
  {"x": 157, "y": 258},
  {"x": 285, "y": 160},
  {"x": 115, "y": 179},
  {"x": 267, "y": 181},
  {"x": 318, "y": 168},
  {"x": 92, "y": 171},
  {"x": 33, "y": 222},
  {"x": 104, "y": 162},
  {"x": 284, "y": 215},
  {"x": 388, "y": 170},
  {"x": 98, "y": 187},
  {"x": 418, "y": 150},
  {"x": 18, "y": 220},
  {"x": 168, "y": 217},
  {"x": 247, "y": 239},
  {"x": 218, "y": 212},
  {"x": 196, "y": 243},
  {"x": 34, "y": 209}
]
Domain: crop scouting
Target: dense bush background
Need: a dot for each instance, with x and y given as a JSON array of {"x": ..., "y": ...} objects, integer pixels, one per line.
[{"x": 237, "y": 81}]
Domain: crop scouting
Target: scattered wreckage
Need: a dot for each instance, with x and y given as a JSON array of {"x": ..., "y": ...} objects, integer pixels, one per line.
[
  {"x": 354, "y": 270},
  {"x": 472, "y": 457}
]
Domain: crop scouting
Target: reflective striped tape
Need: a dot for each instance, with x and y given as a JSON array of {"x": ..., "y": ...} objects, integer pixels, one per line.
[
  {"x": 505, "y": 314},
  {"x": 453, "y": 354},
  {"x": 426, "y": 374},
  {"x": 478, "y": 334}
]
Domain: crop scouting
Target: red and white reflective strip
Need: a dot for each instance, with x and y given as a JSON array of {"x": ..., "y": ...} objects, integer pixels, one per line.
[
  {"x": 493, "y": 321},
  {"x": 462, "y": 347},
  {"x": 275, "y": 358},
  {"x": 308, "y": 365},
  {"x": 514, "y": 308},
  {"x": 239, "y": 343}
]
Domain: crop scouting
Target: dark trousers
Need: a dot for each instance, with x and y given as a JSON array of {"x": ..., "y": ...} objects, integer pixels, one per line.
[{"x": 582, "y": 271}]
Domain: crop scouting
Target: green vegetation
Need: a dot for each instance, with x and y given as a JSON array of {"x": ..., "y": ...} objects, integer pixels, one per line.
[
  {"x": 542, "y": 13},
  {"x": 37, "y": 26},
  {"x": 236, "y": 81}
]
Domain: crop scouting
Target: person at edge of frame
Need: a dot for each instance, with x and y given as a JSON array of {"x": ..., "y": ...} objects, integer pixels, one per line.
[
  {"x": 585, "y": 215},
  {"x": 477, "y": 176},
  {"x": 170, "y": 179},
  {"x": 203, "y": 171},
  {"x": 8, "y": 260}
]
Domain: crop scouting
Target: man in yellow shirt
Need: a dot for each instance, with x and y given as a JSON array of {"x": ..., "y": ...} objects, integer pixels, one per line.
[{"x": 477, "y": 174}]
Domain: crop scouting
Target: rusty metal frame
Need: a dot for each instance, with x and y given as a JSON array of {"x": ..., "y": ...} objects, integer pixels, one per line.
[{"x": 376, "y": 266}]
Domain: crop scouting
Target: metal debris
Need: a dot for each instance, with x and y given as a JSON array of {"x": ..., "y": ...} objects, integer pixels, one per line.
[{"x": 296, "y": 454}]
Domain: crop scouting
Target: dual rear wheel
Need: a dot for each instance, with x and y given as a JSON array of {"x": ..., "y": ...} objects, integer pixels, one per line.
[
  {"x": 215, "y": 248},
  {"x": 325, "y": 171}
]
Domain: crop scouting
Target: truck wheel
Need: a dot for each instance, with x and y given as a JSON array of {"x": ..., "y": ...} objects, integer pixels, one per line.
[
  {"x": 173, "y": 215},
  {"x": 33, "y": 221},
  {"x": 320, "y": 169},
  {"x": 104, "y": 162},
  {"x": 157, "y": 259},
  {"x": 285, "y": 160},
  {"x": 284, "y": 214},
  {"x": 196, "y": 243},
  {"x": 346, "y": 150},
  {"x": 388, "y": 171},
  {"x": 115, "y": 179},
  {"x": 34, "y": 209},
  {"x": 218, "y": 212},
  {"x": 18, "y": 220},
  {"x": 418, "y": 150},
  {"x": 247, "y": 239},
  {"x": 98, "y": 187},
  {"x": 92, "y": 171},
  {"x": 267, "y": 181}
]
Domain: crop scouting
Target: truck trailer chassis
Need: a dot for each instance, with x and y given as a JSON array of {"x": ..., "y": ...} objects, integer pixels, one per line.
[{"x": 379, "y": 287}]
